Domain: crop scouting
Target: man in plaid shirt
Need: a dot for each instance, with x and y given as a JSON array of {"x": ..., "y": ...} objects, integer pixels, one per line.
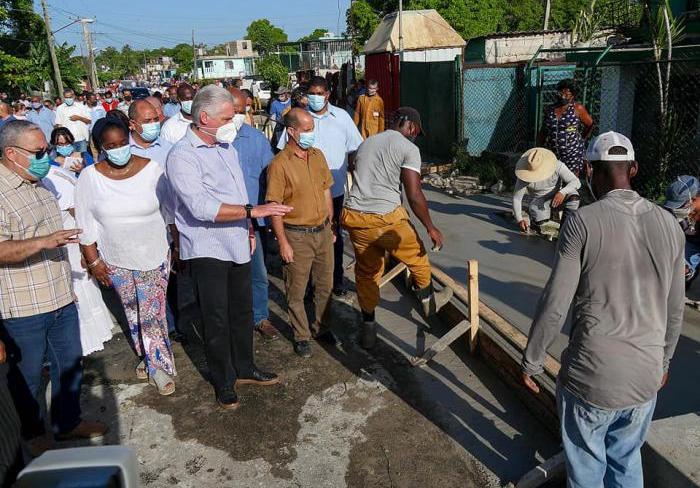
[{"x": 38, "y": 316}]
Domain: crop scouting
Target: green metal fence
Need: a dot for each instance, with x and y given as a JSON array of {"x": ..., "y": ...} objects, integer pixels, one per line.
[{"x": 503, "y": 106}]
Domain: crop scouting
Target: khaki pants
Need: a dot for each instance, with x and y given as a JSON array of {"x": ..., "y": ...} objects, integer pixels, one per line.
[
  {"x": 313, "y": 256},
  {"x": 372, "y": 237}
]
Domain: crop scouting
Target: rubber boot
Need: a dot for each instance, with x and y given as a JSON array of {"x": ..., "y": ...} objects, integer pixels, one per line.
[
  {"x": 432, "y": 301},
  {"x": 368, "y": 334}
]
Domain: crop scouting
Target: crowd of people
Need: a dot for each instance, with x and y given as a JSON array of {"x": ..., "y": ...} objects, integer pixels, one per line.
[{"x": 114, "y": 195}]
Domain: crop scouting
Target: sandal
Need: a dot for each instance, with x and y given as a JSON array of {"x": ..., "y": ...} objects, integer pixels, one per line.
[
  {"x": 142, "y": 371},
  {"x": 162, "y": 381}
]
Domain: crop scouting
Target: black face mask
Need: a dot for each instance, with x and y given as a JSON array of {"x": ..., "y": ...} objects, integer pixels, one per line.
[
  {"x": 563, "y": 100},
  {"x": 128, "y": 99}
]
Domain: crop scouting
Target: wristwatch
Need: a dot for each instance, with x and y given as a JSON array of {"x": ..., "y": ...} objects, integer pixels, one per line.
[{"x": 248, "y": 211}]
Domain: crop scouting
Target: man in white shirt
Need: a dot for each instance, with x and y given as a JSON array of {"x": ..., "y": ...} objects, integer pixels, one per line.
[
  {"x": 126, "y": 103},
  {"x": 96, "y": 110},
  {"x": 76, "y": 118},
  {"x": 176, "y": 126}
]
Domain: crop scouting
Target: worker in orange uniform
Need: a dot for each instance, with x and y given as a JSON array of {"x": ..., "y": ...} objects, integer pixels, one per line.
[{"x": 369, "y": 112}]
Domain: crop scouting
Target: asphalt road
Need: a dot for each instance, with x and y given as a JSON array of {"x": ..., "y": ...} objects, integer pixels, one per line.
[{"x": 514, "y": 269}]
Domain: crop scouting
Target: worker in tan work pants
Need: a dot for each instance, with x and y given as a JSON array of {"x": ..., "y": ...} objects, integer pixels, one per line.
[{"x": 379, "y": 224}]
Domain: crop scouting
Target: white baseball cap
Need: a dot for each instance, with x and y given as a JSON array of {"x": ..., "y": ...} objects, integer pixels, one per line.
[{"x": 598, "y": 149}]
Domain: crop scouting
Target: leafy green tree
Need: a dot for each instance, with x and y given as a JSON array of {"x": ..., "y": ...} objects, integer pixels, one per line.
[
  {"x": 264, "y": 35},
  {"x": 362, "y": 20},
  {"x": 271, "y": 69},
  {"x": 182, "y": 54},
  {"x": 315, "y": 35},
  {"x": 14, "y": 73}
]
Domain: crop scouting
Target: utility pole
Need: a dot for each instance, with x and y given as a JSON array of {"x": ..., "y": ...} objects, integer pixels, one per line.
[
  {"x": 547, "y": 10},
  {"x": 54, "y": 59},
  {"x": 401, "y": 30},
  {"x": 92, "y": 75},
  {"x": 194, "y": 58}
]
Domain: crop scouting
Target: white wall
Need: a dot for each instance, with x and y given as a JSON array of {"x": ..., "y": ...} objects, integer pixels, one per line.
[
  {"x": 522, "y": 48},
  {"x": 428, "y": 55}
]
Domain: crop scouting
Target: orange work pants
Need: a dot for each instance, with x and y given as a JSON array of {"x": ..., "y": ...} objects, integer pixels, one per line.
[{"x": 373, "y": 236}]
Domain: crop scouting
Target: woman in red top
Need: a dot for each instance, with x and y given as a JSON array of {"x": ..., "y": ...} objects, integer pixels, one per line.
[{"x": 109, "y": 102}]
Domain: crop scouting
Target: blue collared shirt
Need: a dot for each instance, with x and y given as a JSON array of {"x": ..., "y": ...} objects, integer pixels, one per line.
[
  {"x": 157, "y": 151},
  {"x": 255, "y": 154},
  {"x": 170, "y": 109},
  {"x": 204, "y": 177},
  {"x": 336, "y": 135},
  {"x": 44, "y": 118},
  {"x": 96, "y": 113},
  {"x": 277, "y": 107}
]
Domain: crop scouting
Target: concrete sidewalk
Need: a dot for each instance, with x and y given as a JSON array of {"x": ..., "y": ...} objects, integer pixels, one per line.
[
  {"x": 513, "y": 270},
  {"x": 342, "y": 418}
]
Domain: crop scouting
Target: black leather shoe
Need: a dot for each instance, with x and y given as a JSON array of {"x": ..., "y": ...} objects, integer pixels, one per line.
[
  {"x": 258, "y": 377},
  {"x": 303, "y": 349},
  {"x": 227, "y": 399}
]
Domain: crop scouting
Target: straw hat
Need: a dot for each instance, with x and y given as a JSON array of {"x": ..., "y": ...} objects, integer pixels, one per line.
[{"x": 536, "y": 164}]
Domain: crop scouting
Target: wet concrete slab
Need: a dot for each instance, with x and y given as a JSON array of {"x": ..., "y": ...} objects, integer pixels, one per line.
[{"x": 346, "y": 417}]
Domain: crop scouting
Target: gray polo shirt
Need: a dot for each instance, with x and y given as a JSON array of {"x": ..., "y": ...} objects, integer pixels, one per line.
[
  {"x": 376, "y": 185},
  {"x": 621, "y": 261}
]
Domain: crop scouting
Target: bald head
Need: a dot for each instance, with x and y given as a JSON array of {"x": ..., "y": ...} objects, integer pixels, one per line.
[
  {"x": 299, "y": 119},
  {"x": 158, "y": 105},
  {"x": 141, "y": 110},
  {"x": 239, "y": 99}
]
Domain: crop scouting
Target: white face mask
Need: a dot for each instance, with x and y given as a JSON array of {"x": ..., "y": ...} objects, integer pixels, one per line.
[
  {"x": 238, "y": 120},
  {"x": 226, "y": 133}
]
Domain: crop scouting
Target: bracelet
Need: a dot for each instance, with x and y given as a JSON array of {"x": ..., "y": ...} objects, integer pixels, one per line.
[{"x": 94, "y": 263}]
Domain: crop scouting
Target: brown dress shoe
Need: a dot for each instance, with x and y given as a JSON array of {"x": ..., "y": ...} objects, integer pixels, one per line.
[
  {"x": 267, "y": 331},
  {"x": 86, "y": 429}
]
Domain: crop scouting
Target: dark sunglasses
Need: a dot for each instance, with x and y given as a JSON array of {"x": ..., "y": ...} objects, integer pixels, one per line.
[{"x": 37, "y": 154}]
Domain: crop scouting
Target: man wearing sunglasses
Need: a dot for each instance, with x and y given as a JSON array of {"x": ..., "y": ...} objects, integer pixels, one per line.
[{"x": 39, "y": 317}]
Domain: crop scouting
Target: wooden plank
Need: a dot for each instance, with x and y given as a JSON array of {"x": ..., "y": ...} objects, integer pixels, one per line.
[
  {"x": 516, "y": 338},
  {"x": 441, "y": 344},
  {"x": 396, "y": 270},
  {"x": 473, "y": 291}
]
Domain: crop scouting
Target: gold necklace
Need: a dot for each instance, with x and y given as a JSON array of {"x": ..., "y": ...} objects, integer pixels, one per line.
[{"x": 122, "y": 173}]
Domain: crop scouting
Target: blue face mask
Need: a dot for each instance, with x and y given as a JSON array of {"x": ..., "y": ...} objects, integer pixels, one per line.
[
  {"x": 317, "y": 102},
  {"x": 65, "y": 151},
  {"x": 38, "y": 168},
  {"x": 150, "y": 131},
  {"x": 69, "y": 101},
  {"x": 186, "y": 106},
  {"x": 307, "y": 139},
  {"x": 119, "y": 156}
]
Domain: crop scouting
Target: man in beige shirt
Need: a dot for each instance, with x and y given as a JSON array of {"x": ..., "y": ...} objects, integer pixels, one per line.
[
  {"x": 300, "y": 178},
  {"x": 38, "y": 317}
]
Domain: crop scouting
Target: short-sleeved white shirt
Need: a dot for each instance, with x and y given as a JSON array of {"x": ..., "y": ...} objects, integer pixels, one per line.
[
  {"x": 79, "y": 129},
  {"x": 175, "y": 128}
]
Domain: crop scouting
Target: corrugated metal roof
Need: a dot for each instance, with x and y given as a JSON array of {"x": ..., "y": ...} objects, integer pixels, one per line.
[{"x": 422, "y": 29}]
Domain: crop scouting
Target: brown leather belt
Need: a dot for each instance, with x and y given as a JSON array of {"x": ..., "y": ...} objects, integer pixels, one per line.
[{"x": 306, "y": 229}]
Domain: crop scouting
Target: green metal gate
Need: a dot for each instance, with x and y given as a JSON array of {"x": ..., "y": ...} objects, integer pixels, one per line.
[{"x": 433, "y": 89}]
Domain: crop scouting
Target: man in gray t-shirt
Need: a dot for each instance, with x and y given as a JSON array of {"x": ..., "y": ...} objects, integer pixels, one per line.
[
  {"x": 377, "y": 182},
  {"x": 379, "y": 224},
  {"x": 620, "y": 260}
]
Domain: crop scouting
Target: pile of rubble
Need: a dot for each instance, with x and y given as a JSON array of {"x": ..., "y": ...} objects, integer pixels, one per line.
[{"x": 454, "y": 184}]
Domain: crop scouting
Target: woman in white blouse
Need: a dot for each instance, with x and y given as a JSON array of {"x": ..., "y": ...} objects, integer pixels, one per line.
[{"x": 122, "y": 207}]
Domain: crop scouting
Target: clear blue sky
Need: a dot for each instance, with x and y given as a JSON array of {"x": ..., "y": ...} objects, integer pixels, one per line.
[{"x": 155, "y": 23}]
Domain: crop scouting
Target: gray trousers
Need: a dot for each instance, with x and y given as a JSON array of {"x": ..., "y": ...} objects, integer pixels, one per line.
[{"x": 540, "y": 208}]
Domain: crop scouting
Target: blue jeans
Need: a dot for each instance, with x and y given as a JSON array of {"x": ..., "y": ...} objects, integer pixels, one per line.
[
  {"x": 260, "y": 295},
  {"x": 603, "y": 446},
  {"x": 692, "y": 258},
  {"x": 30, "y": 341}
]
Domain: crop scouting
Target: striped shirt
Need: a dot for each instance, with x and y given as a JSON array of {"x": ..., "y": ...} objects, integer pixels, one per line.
[
  {"x": 204, "y": 177},
  {"x": 42, "y": 282}
]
